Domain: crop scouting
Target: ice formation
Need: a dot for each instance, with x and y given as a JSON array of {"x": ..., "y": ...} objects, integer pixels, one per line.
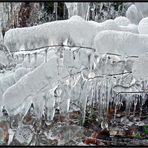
[
  {"x": 142, "y": 8},
  {"x": 140, "y": 67},
  {"x": 109, "y": 25},
  {"x": 84, "y": 36},
  {"x": 36, "y": 36},
  {"x": 1, "y": 36},
  {"x": 20, "y": 72},
  {"x": 73, "y": 78},
  {"x": 130, "y": 28},
  {"x": 122, "y": 21},
  {"x": 133, "y": 14},
  {"x": 9, "y": 79},
  {"x": 112, "y": 25},
  {"x": 137, "y": 11},
  {"x": 40, "y": 78},
  {"x": 80, "y": 9},
  {"x": 124, "y": 43},
  {"x": 143, "y": 26},
  {"x": 40, "y": 68},
  {"x": 3, "y": 58},
  {"x": 76, "y": 30}
]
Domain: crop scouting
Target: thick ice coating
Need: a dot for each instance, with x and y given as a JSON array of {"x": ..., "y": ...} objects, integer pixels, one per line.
[
  {"x": 29, "y": 84},
  {"x": 133, "y": 14},
  {"x": 32, "y": 83},
  {"x": 121, "y": 20},
  {"x": 143, "y": 26},
  {"x": 76, "y": 30},
  {"x": 142, "y": 8},
  {"x": 80, "y": 9},
  {"x": 140, "y": 67},
  {"x": 124, "y": 43},
  {"x": 37, "y": 36}
]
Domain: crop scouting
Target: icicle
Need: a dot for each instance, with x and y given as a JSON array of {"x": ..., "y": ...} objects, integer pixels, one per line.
[
  {"x": 92, "y": 61},
  {"x": 29, "y": 57},
  {"x": 55, "y": 9},
  {"x": 129, "y": 109},
  {"x": 103, "y": 99},
  {"x": 35, "y": 58},
  {"x": 12, "y": 55},
  {"x": 115, "y": 111},
  {"x": 83, "y": 99},
  {"x": 108, "y": 96},
  {"x": 116, "y": 102},
  {"x": 97, "y": 95},
  {"x": 100, "y": 100},
  {"x": 128, "y": 104},
  {"x": 50, "y": 103},
  {"x": 23, "y": 56},
  {"x": 91, "y": 96},
  {"x": 135, "y": 104},
  {"x": 46, "y": 51},
  {"x": 17, "y": 57},
  {"x": 142, "y": 103},
  {"x": 57, "y": 95},
  {"x": 87, "y": 13}
]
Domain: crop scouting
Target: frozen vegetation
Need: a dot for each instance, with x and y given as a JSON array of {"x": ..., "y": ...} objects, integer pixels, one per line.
[{"x": 72, "y": 65}]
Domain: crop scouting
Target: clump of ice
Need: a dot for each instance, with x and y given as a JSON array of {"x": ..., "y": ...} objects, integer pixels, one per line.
[
  {"x": 3, "y": 58},
  {"x": 26, "y": 64},
  {"x": 9, "y": 79},
  {"x": 140, "y": 67},
  {"x": 22, "y": 89},
  {"x": 133, "y": 14},
  {"x": 32, "y": 84},
  {"x": 142, "y": 8},
  {"x": 1, "y": 36},
  {"x": 109, "y": 25},
  {"x": 76, "y": 30},
  {"x": 130, "y": 28},
  {"x": 143, "y": 26},
  {"x": 80, "y": 9},
  {"x": 121, "y": 20},
  {"x": 20, "y": 72},
  {"x": 81, "y": 32},
  {"x": 52, "y": 33},
  {"x": 110, "y": 64},
  {"x": 112, "y": 25},
  {"x": 6, "y": 81},
  {"x": 124, "y": 43}
]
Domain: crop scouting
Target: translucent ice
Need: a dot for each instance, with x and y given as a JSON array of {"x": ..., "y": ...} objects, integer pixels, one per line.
[
  {"x": 121, "y": 20},
  {"x": 143, "y": 26},
  {"x": 140, "y": 67},
  {"x": 124, "y": 43}
]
